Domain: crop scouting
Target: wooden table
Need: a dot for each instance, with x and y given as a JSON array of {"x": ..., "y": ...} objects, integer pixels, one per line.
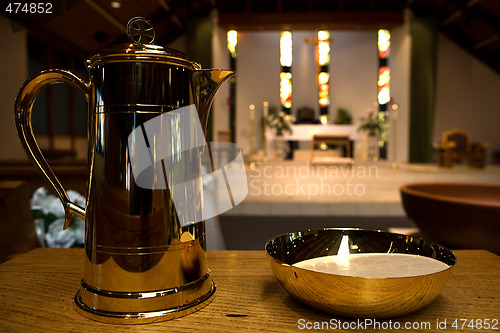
[
  {"x": 331, "y": 139},
  {"x": 37, "y": 289}
]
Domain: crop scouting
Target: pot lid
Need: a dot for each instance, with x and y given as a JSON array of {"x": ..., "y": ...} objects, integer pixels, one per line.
[{"x": 142, "y": 35}]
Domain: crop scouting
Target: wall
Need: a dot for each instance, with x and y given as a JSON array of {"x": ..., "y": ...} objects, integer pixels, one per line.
[
  {"x": 13, "y": 72},
  {"x": 353, "y": 77},
  {"x": 467, "y": 95},
  {"x": 257, "y": 76},
  {"x": 354, "y": 71},
  {"x": 399, "y": 64},
  {"x": 179, "y": 44},
  {"x": 304, "y": 84}
]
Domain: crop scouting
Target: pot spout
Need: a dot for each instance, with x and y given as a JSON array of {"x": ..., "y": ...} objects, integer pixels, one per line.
[{"x": 206, "y": 82}]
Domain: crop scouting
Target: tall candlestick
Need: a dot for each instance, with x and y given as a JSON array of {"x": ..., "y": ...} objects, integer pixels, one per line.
[
  {"x": 265, "y": 113},
  {"x": 252, "y": 112},
  {"x": 394, "y": 135},
  {"x": 252, "y": 131}
]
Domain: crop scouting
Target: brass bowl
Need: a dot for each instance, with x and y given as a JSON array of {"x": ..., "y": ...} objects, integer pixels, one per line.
[{"x": 358, "y": 297}]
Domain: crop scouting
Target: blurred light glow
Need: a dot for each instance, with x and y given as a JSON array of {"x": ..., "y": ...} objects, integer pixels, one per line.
[
  {"x": 323, "y": 78},
  {"x": 384, "y": 43},
  {"x": 384, "y": 95},
  {"x": 323, "y": 35},
  {"x": 232, "y": 41},
  {"x": 286, "y": 89},
  {"x": 323, "y": 47},
  {"x": 323, "y": 119},
  {"x": 286, "y": 49},
  {"x": 324, "y": 89},
  {"x": 116, "y": 4},
  {"x": 384, "y": 77}
]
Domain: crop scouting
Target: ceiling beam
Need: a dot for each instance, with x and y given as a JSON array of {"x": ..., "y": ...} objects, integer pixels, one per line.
[
  {"x": 473, "y": 9},
  {"x": 311, "y": 20},
  {"x": 485, "y": 42},
  {"x": 468, "y": 45},
  {"x": 463, "y": 6},
  {"x": 104, "y": 13},
  {"x": 452, "y": 17},
  {"x": 169, "y": 12},
  {"x": 486, "y": 17}
]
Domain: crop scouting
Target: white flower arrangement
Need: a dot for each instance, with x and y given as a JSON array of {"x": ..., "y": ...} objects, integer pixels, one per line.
[
  {"x": 49, "y": 216},
  {"x": 281, "y": 121}
]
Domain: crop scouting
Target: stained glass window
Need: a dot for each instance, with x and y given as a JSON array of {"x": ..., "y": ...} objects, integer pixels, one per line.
[
  {"x": 286, "y": 75},
  {"x": 384, "y": 49},
  {"x": 232, "y": 43},
  {"x": 286, "y": 90},
  {"x": 384, "y": 77},
  {"x": 323, "y": 56},
  {"x": 384, "y": 90},
  {"x": 384, "y": 43}
]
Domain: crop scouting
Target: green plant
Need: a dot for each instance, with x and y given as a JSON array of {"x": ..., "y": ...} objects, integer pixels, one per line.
[
  {"x": 370, "y": 123},
  {"x": 343, "y": 117}
]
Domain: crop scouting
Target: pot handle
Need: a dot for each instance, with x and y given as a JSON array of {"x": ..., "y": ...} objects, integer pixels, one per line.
[{"x": 22, "y": 113}]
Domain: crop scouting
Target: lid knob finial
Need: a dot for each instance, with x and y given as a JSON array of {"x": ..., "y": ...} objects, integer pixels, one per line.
[{"x": 140, "y": 31}]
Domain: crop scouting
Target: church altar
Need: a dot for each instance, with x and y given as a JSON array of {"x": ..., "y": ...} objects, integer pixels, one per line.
[{"x": 304, "y": 132}]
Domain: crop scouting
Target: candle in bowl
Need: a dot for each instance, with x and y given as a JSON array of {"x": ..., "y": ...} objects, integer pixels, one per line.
[
  {"x": 360, "y": 273},
  {"x": 374, "y": 265}
]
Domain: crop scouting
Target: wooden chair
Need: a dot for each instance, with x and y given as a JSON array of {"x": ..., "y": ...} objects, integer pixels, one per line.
[
  {"x": 17, "y": 229},
  {"x": 456, "y": 145}
]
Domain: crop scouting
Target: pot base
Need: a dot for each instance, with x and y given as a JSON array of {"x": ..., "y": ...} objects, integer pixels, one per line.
[{"x": 147, "y": 307}]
